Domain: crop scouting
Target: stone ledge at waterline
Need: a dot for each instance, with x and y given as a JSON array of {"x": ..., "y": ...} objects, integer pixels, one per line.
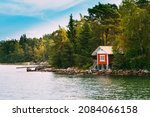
[
  {"x": 74, "y": 70},
  {"x": 70, "y": 70}
]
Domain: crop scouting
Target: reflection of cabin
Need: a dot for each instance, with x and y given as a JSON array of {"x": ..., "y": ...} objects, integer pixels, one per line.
[{"x": 103, "y": 56}]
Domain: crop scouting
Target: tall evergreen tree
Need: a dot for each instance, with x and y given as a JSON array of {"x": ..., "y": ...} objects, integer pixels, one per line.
[
  {"x": 85, "y": 38},
  {"x": 23, "y": 40},
  {"x": 72, "y": 32}
]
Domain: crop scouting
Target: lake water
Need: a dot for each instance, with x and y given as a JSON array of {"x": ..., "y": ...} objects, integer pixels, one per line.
[{"x": 19, "y": 84}]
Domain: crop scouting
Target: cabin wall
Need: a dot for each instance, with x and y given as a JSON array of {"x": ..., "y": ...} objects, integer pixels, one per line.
[{"x": 101, "y": 62}]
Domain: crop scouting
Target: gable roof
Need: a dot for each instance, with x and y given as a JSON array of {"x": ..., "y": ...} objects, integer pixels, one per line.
[{"x": 106, "y": 49}]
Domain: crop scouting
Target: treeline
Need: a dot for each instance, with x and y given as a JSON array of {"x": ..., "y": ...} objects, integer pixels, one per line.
[
  {"x": 134, "y": 39},
  {"x": 126, "y": 28},
  {"x": 24, "y": 50}
]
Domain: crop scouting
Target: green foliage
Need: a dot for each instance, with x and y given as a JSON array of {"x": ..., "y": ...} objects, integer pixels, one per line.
[
  {"x": 11, "y": 51},
  {"x": 120, "y": 62},
  {"x": 24, "y": 50},
  {"x": 61, "y": 50},
  {"x": 126, "y": 28},
  {"x": 138, "y": 62},
  {"x": 82, "y": 61},
  {"x": 142, "y": 3},
  {"x": 103, "y": 11},
  {"x": 106, "y": 19},
  {"x": 72, "y": 33},
  {"x": 135, "y": 38},
  {"x": 84, "y": 40},
  {"x": 63, "y": 58}
]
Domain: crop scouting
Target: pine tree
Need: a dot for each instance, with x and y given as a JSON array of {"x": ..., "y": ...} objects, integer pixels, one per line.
[
  {"x": 84, "y": 40},
  {"x": 72, "y": 32}
]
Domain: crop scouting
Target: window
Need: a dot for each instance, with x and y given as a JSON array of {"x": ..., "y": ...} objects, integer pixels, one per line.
[{"x": 102, "y": 58}]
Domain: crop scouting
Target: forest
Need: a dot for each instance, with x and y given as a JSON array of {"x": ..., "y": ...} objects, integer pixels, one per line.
[{"x": 125, "y": 27}]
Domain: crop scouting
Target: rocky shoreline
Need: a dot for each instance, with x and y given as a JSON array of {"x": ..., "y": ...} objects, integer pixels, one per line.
[{"x": 76, "y": 71}]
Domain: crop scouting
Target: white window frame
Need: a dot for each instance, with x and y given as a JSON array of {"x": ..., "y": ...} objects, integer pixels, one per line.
[{"x": 102, "y": 58}]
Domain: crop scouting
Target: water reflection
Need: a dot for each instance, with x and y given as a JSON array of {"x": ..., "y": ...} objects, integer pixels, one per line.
[{"x": 18, "y": 84}]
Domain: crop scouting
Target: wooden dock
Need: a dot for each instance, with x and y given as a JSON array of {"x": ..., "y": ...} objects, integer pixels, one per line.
[
  {"x": 28, "y": 68},
  {"x": 31, "y": 68}
]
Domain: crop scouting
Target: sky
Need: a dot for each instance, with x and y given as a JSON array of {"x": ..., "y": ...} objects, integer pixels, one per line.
[{"x": 36, "y": 18}]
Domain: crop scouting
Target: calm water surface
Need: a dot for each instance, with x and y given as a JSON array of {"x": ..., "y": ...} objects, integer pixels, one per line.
[{"x": 19, "y": 84}]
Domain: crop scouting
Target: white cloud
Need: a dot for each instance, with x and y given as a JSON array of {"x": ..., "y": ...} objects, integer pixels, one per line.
[
  {"x": 50, "y": 4},
  {"x": 48, "y": 27},
  {"x": 16, "y": 9},
  {"x": 35, "y": 7}
]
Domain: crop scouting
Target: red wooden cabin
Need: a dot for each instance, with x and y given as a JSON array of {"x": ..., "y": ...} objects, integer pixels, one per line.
[{"x": 104, "y": 57}]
